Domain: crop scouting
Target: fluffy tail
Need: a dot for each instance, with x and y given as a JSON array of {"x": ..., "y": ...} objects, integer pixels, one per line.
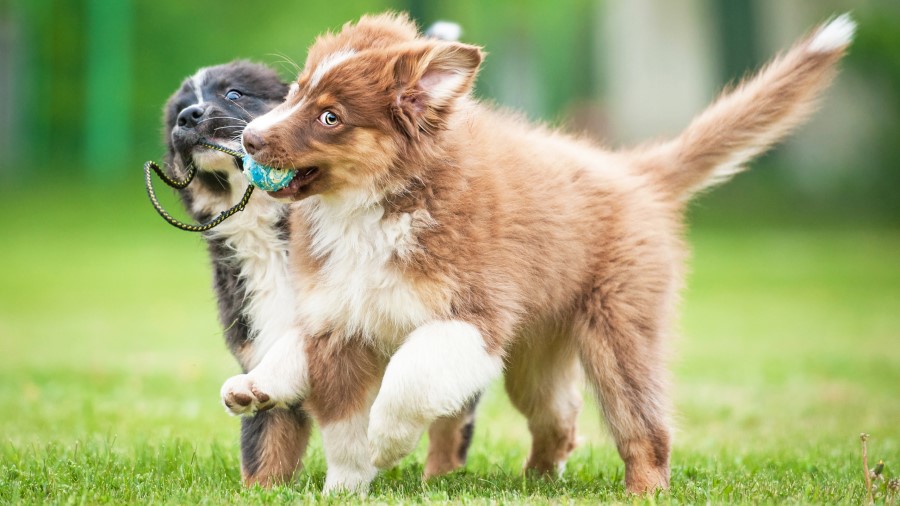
[{"x": 744, "y": 122}]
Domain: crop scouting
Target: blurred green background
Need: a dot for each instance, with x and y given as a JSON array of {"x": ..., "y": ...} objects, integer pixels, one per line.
[
  {"x": 82, "y": 82},
  {"x": 108, "y": 339}
]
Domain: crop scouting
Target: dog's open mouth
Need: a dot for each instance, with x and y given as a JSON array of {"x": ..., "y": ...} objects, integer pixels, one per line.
[{"x": 303, "y": 178}]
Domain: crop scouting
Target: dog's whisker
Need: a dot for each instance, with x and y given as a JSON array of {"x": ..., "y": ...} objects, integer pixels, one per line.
[
  {"x": 232, "y": 118},
  {"x": 249, "y": 114},
  {"x": 285, "y": 59}
]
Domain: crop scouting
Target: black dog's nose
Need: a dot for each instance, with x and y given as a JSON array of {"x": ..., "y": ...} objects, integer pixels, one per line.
[
  {"x": 188, "y": 117},
  {"x": 252, "y": 141}
]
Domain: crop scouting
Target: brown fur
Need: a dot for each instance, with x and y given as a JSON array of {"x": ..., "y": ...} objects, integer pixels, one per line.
[
  {"x": 273, "y": 450},
  {"x": 341, "y": 375},
  {"x": 448, "y": 439},
  {"x": 370, "y": 32},
  {"x": 543, "y": 380},
  {"x": 559, "y": 252}
]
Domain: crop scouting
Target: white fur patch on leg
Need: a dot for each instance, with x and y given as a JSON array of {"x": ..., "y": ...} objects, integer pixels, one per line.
[
  {"x": 833, "y": 35},
  {"x": 439, "y": 367},
  {"x": 280, "y": 379},
  {"x": 347, "y": 455}
]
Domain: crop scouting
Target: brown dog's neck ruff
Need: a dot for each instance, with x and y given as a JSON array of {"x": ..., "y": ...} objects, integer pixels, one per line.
[{"x": 180, "y": 184}]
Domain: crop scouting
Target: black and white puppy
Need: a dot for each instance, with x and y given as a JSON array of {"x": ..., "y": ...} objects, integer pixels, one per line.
[{"x": 248, "y": 251}]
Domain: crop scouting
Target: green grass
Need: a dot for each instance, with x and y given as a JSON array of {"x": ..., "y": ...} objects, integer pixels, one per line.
[{"x": 111, "y": 361}]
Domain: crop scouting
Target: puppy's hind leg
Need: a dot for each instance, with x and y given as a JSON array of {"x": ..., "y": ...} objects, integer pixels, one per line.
[
  {"x": 544, "y": 381},
  {"x": 621, "y": 349},
  {"x": 272, "y": 445},
  {"x": 449, "y": 438}
]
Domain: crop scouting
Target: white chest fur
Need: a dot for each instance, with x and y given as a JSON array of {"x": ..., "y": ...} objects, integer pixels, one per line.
[
  {"x": 359, "y": 290},
  {"x": 263, "y": 262}
]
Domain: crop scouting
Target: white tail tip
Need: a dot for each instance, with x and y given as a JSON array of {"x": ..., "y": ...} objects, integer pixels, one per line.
[
  {"x": 445, "y": 30},
  {"x": 833, "y": 35}
]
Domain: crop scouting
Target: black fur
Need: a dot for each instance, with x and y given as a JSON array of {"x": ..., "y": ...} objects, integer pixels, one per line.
[
  {"x": 231, "y": 294},
  {"x": 468, "y": 429}
]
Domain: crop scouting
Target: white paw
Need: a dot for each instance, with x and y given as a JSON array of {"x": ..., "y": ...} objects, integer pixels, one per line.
[
  {"x": 343, "y": 481},
  {"x": 391, "y": 439},
  {"x": 347, "y": 454},
  {"x": 242, "y": 396}
]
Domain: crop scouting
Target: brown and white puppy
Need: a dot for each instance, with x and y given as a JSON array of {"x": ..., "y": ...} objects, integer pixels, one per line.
[{"x": 436, "y": 242}]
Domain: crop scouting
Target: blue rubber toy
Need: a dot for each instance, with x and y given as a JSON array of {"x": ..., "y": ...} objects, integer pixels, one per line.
[{"x": 266, "y": 178}]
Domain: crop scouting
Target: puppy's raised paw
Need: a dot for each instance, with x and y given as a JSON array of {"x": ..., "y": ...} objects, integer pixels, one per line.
[{"x": 242, "y": 396}]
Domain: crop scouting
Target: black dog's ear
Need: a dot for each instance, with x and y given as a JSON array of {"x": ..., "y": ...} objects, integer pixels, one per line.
[{"x": 432, "y": 76}]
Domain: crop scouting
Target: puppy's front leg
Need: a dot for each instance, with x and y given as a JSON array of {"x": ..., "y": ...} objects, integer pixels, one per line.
[
  {"x": 439, "y": 367},
  {"x": 280, "y": 379},
  {"x": 343, "y": 377}
]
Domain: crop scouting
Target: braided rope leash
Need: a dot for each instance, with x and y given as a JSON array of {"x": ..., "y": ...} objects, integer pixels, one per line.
[{"x": 183, "y": 183}]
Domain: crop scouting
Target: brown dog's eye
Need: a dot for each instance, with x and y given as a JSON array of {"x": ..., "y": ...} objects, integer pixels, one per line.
[
  {"x": 329, "y": 119},
  {"x": 233, "y": 95}
]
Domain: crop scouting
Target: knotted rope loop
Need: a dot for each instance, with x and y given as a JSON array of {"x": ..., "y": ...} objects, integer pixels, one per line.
[{"x": 180, "y": 184}]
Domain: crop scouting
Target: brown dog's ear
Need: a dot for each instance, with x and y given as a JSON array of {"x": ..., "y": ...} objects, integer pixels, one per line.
[{"x": 431, "y": 77}]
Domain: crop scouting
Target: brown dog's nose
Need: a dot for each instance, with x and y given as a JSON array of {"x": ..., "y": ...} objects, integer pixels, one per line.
[{"x": 252, "y": 141}]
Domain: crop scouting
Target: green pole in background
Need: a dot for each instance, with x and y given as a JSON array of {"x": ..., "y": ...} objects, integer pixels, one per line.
[
  {"x": 108, "y": 90},
  {"x": 417, "y": 9},
  {"x": 737, "y": 32},
  {"x": 34, "y": 74}
]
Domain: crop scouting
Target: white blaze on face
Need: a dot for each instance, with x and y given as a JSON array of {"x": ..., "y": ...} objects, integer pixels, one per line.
[
  {"x": 329, "y": 62},
  {"x": 263, "y": 123},
  {"x": 197, "y": 84}
]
